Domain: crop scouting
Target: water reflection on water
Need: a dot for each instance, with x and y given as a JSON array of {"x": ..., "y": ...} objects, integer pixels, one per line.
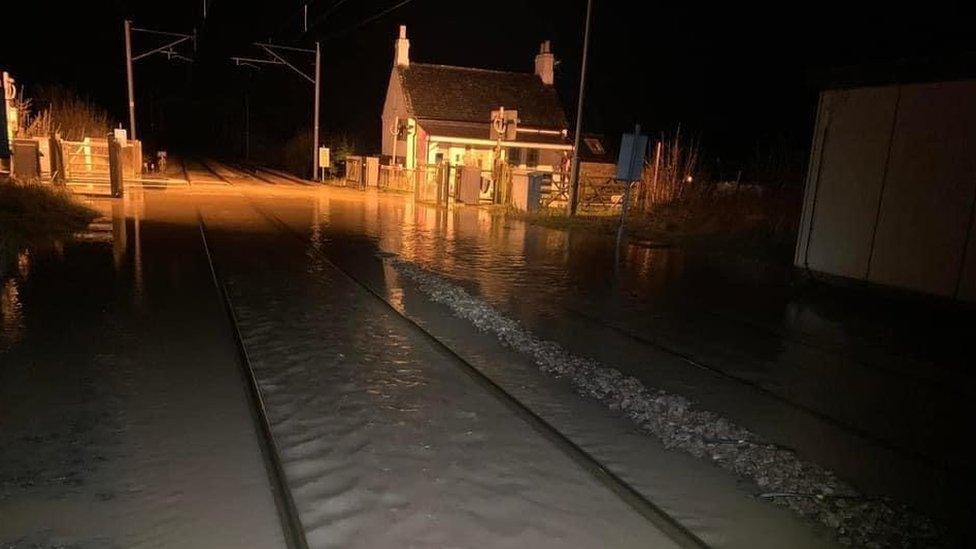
[
  {"x": 867, "y": 362},
  {"x": 117, "y": 231},
  {"x": 509, "y": 262},
  {"x": 11, "y": 314},
  {"x": 501, "y": 258}
]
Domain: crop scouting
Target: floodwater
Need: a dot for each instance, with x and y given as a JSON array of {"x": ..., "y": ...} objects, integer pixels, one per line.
[
  {"x": 847, "y": 379},
  {"x": 123, "y": 421},
  {"x": 386, "y": 441}
]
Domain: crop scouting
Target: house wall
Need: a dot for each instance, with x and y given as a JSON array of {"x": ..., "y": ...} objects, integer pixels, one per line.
[
  {"x": 395, "y": 106},
  {"x": 891, "y": 188}
]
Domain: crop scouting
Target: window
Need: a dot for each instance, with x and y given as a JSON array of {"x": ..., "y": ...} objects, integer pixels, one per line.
[
  {"x": 531, "y": 158},
  {"x": 594, "y": 145},
  {"x": 515, "y": 156}
]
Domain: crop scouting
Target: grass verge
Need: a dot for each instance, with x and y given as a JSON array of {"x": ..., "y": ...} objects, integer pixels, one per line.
[
  {"x": 752, "y": 225},
  {"x": 33, "y": 213}
]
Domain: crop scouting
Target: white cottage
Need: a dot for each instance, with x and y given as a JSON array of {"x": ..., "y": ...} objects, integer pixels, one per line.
[{"x": 440, "y": 113}]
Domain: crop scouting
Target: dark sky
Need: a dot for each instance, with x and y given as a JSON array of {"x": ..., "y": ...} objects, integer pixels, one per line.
[{"x": 740, "y": 76}]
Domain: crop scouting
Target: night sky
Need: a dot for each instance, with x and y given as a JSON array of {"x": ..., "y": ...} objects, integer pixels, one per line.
[{"x": 740, "y": 77}]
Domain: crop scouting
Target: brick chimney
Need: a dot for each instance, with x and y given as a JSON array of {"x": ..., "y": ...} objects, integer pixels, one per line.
[
  {"x": 401, "y": 51},
  {"x": 545, "y": 62}
]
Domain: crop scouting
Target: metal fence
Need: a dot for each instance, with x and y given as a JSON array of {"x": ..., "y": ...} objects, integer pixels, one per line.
[
  {"x": 423, "y": 181},
  {"x": 395, "y": 178},
  {"x": 87, "y": 159},
  {"x": 601, "y": 193},
  {"x": 595, "y": 193},
  {"x": 435, "y": 183}
]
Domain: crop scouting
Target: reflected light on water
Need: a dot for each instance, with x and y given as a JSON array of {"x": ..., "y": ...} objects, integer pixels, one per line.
[
  {"x": 23, "y": 264},
  {"x": 11, "y": 314}
]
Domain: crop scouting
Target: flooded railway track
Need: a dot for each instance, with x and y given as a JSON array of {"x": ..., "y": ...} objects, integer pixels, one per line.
[
  {"x": 291, "y": 522},
  {"x": 291, "y": 525}
]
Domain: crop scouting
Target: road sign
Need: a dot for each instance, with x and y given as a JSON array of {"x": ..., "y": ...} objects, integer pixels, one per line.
[
  {"x": 504, "y": 124},
  {"x": 630, "y": 161},
  {"x": 325, "y": 158}
]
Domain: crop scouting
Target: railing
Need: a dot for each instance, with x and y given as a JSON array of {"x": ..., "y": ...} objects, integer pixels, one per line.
[
  {"x": 395, "y": 178},
  {"x": 422, "y": 180},
  {"x": 605, "y": 193},
  {"x": 433, "y": 183},
  {"x": 595, "y": 193},
  {"x": 86, "y": 159}
]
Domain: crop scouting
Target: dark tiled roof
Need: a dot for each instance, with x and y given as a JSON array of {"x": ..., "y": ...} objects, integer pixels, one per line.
[
  {"x": 471, "y": 130},
  {"x": 462, "y": 94}
]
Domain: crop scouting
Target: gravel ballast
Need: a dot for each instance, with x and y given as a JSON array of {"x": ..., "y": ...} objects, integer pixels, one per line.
[{"x": 779, "y": 474}]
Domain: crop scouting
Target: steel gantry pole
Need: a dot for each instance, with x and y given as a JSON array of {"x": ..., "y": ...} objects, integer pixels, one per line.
[
  {"x": 128, "y": 74},
  {"x": 315, "y": 120},
  {"x": 174, "y": 39},
  {"x": 574, "y": 170}
]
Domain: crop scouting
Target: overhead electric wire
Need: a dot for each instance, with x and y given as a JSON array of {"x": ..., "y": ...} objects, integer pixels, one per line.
[
  {"x": 321, "y": 17},
  {"x": 367, "y": 21}
]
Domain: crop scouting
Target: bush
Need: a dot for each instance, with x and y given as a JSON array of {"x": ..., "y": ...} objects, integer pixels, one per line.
[{"x": 61, "y": 110}]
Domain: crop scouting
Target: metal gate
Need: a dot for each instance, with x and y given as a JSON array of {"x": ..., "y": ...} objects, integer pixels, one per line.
[{"x": 86, "y": 160}]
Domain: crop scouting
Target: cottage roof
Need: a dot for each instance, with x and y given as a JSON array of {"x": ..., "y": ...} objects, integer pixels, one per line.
[{"x": 441, "y": 92}]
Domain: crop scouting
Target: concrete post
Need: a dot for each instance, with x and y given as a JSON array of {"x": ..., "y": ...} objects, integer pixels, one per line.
[
  {"x": 115, "y": 166},
  {"x": 574, "y": 169},
  {"x": 128, "y": 74}
]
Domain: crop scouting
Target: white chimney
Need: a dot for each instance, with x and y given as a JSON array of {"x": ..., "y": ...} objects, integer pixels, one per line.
[
  {"x": 401, "y": 57},
  {"x": 545, "y": 63}
]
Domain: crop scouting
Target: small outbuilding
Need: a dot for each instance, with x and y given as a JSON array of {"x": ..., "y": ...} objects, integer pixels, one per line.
[{"x": 891, "y": 188}]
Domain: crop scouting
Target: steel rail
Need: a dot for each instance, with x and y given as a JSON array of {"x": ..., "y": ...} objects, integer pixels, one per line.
[
  {"x": 286, "y": 176},
  {"x": 667, "y": 524},
  {"x": 252, "y": 172},
  {"x": 206, "y": 166},
  {"x": 291, "y": 524},
  {"x": 757, "y": 387}
]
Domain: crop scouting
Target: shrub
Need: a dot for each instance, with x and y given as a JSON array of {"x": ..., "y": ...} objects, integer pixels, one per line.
[{"x": 62, "y": 110}]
